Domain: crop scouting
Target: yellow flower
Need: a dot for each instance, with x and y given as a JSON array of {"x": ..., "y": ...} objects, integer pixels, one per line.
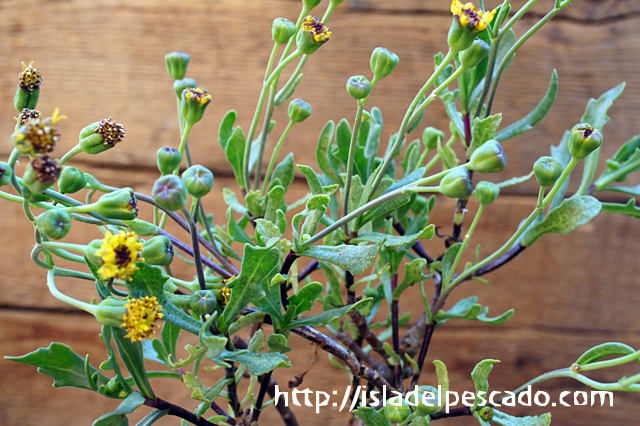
[
  {"x": 200, "y": 96},
  {"x": 467, "y": 13},
  {"x": 321, "y": 32},
  {"x": 119, "y": 253},
  {"x": 140, "y": 319},
  {"x": 226, "y": 296}
]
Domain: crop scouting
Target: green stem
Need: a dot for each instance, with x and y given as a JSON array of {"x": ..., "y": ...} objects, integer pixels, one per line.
[
  {"x": 352, "y": 154},
  {"x": 276, "y": 150},
  {"x": 51, "y": 283},
  {"x": 382, "y": 170},
  {"x": 524, "y": 9},
  {"x": 496, "y": 29},
  {"x": 11, "y": 197},
  {"x": 72, "y": 152},
  {"x": 80, "y": 248},
  {"x": 629, "y": 381},
  {"x": 183, "y": 141},
  {"x": 63, "y": 254},
  {"x": 70, "y": 273},
  {"x": 464, "y": 245},
  {"x": 610, "y": 362},
  {"x": 493, "y": 54},
  {"x": 13, "y": 159}
]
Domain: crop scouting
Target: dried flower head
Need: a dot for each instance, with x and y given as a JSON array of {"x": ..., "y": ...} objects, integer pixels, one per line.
[
  {"x": 140, "y": 319},
  {"x": 111, "y": 132},
  {"x": 119, "y": 254},
  {"x": 467, "y": 13},
  {"x": 30, "y": 77},
  {"x": 321, "y": 33},
  {"x": 37, "y": 135},
  {"x": 47, "y": 169},
  {"x": 226, "y": 296},
  {"x": 27, "y": 114}
]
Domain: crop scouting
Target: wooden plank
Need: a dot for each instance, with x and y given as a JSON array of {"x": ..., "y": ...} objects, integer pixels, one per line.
[
  {"x": 524, "y": 352},
  {"x": 586, "y": 281},
  {"x": 97, "y": 72}
]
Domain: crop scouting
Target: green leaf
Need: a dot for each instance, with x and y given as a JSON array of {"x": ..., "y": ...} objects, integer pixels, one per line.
[
  {"x": 170, "y": 334},
  {"x": 226, "y": 128},
  {"x": 303, "y": 300},
  {"x": 153, "y": 417},
  {"x": 412, "y": 274},
  {"x": 561, "y": 153},
  {"x": 266, "y": 231},
  {"x": 200, "y": 392},
  {"x": 372, "y": 417},
  {"x": 468, "y": 309},
  {"x": 132, "y": 356},
  {"x": 287, "y": 90},
  {"x": 483, "y": 130},
  {"x": 327, "y": 316},
  {"x": 443, "y": 376},
  {"x": 387, "y": 207},
  {"x": 448, "y": 259},
  {"x": 627, "y": 150},
  {"x": 573, "y": 212},
  {"x": 480, "y": 376},
  {"x": 275, "y": 202},
  {"x": 504, "y": 419},
  {"x": 596, "y": 112},
  {"x": 278, "y": 343},
  {"x": 111, "y": 363},
  {"x": 253, "y": 202},
  {"x": 258, "y": 363},
  {"x": 323, "y": 151},
  {"x": 118, "y": 417},
  {"x": 606, "y": 349},
  {"x": 231, "y": 199},
  {"x": 449, "y": 100},
  {"x": 62, "y": 364},
  {"x": 343, "y": 140},
  {"x": 629, "y": 209},
  {"x": 245, "y": 320},
  {"x": 333, "y": 296},
  {"x": 235, "y": 153},
  {"x": 258, "y": 264},
  {"x": 355, "y": 259},
  {"x": 284, "y": 171},
  {"x": 235, "y": 231},
  {"x": 535, "y": 116},
  {"x": 312, "y": 179},
  {"x": 371, "y": 147},
  {"x": 508, "y": 40},
  {"x": 515, "y": 181},
  {"x": 447, "y": 156},
  {"x": 388, "y": 240}
]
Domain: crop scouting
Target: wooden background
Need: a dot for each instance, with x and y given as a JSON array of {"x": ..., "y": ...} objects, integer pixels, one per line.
[{"x": 105, "y": 58}]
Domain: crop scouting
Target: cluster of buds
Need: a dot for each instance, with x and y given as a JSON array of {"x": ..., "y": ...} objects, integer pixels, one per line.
[{"x": 28, "y": 88}]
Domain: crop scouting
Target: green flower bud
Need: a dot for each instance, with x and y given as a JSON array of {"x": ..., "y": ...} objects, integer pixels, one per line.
[
  {"x": 424, "y": 400},
  {"x": 71, "y": 180},
  {"x": 194, "y": 102},
  {"x": 5, "y": 174},
  {"x": 397, "y": 413},
  {"x": 467, "y": 24},
  {"x": 312, "y": 35},
  {"x": 488, "y": 158},
  {"x": 457, "y": 183},
  {"x": 472, "y": 56},
  {"x": 198, "y": 180},
  {"x": 431, "y": 136},
  {"x": 28, "y": 88},
  {"x": 299, "y": 110},
  {"x": 547, "y": 171},
  {"x": 460, "y": 37},
  {"x": 282, "y": 30},
  {"x": 487, "y": 192},
  {"x": 359, "y": 87},
  {"x": 181, "y": 85},
  {"x": 203, "y": 301},
  {"x": 310, "y": 4},
  {"x": 120, "y": 204},
  {"x": 41, "y": 173},
  {"x": 366, "y": 115},
  {"x": 158, "y": 250},
  {"x": 584, "y": 140},
  {"x": 111, "y": 312},
  {"x": 169, "y": 193},
  {"x": 90, "y": 252},
  {"x": 177, "y": 64},
  {"x": 55, "y": 223},
  {"x": 336, "y": 2},
  {"x": 486, "y": 413},
  {"x": 383, "y": 62},
  {"x": 101, "y": 136},
  {"x": 168, "y": 159}
]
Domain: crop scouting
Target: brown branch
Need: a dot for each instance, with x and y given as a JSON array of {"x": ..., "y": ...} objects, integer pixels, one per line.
[{"x": 175, "y": 410}]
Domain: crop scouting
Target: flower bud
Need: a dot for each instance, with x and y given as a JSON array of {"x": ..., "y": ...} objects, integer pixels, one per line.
[
  {"x": 488, "y": 158},
  {"x": 382, "y": 62},
  {"x": 37, "y": 135},
  {"x": 457, "y": 183},
  {"x": 467, "y": 24},
  {"x": 111, "y": 312},
  {"x": 358, "y": 87},
  {"x": 55, "y": 223},
  {"x": 547, "y": 171},
  {"x": 584, "y": 140},
  {"x": 90, "y": 252},
  {"x": 198, "y": 180},
  {"x": 472, "y": 56},
  {"x": 336, "y": 2},
  {"x": 310, "y": 4},
  {"x": 5, "y": 174},
  {"x": 282, "y": 30},
  {"x": 486, "y": 413},
  {"x": 312, "y": 35},
  {"x": 71, "y": 180},
  {"x": 180, "y": 86},
  {"x": 177, "y": 64},
  {"x": 41, "y": 173},
  {"x": 158, "y": 250},
  {"x": 366, "y": 115},
  {"x": 487, "y": 192},
  {"x": 28, "y": 88},
  {"x": 168, "y": 159},
  {"x": 194, "y": 102},
  {"x": 431, "y": 136},
  {"x": 299, "y": 110},
  {"x": 169, "y": 193},
  {"x": 203, "y": 302},
  {"x": 101, "y": 136},
  {"x": 397, "y": 413},
  {"x": 120, "y": 204}
]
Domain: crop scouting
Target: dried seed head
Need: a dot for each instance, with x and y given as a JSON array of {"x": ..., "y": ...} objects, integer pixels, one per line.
[
  {"x": 111, "y": 132},
  {"x": 30, "y": 77},
  {"x": 47, "y": 169},
  {"x": 27, "y": 114}
]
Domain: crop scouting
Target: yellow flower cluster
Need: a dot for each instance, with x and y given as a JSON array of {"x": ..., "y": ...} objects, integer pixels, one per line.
[
  {"x": 199, "y": 95},
  {"x": 119, "y": 253},
  {"x": 226, "y": 296},
  {"x": 140, "y": 319},
  {"x": 321, "y": 32},
  {"x": 468, "y": 13}
]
